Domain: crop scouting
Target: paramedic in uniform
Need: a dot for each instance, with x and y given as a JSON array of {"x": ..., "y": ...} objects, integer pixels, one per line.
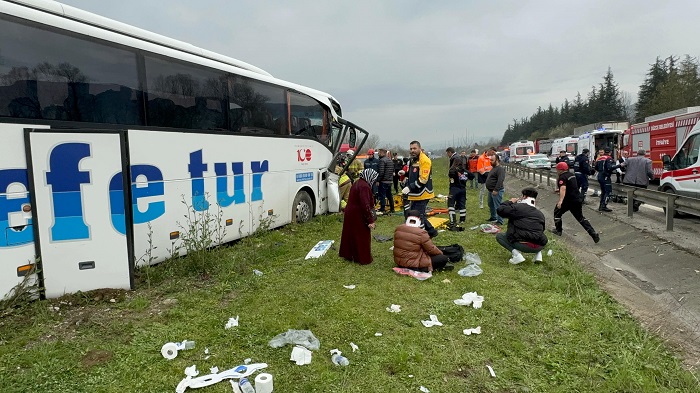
[{"x": 419, "y": 186}]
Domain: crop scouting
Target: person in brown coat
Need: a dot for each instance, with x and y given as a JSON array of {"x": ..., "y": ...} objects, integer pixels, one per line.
[{"x": 413, "y": 248}]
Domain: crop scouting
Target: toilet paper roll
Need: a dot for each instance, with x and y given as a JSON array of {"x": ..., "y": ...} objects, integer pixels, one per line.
[
  {"x": 263, "y": 383},
  {"x": 169, "y": 351}
]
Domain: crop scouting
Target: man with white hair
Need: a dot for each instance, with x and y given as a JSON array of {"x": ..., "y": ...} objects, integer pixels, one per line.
[{"x": 638, "y": 172}]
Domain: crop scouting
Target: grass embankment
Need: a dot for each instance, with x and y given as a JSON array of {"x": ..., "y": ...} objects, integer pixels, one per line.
[{"x": 545, "y": 328}]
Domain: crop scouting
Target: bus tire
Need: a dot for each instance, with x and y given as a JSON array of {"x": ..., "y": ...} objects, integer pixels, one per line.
[{"x": 302, "y": 208}]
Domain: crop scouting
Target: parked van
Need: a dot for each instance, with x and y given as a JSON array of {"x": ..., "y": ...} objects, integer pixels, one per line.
[{"x": 681, "y": 174}]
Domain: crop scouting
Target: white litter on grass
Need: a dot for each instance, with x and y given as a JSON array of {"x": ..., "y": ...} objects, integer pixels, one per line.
[
  {"x": 354, "y": 347},
  {"x": 377, "y": 334},
  {"x": 410, "y": 375},
  {"x": 493, "y": 374},
  {"x": 432, "y": 322},
  {"x": 206, "y": 354},
  {"x": 234, "y": 385},
  {"x": 549, "y": 253},
  {"x": 247, "y": 361},
  {"x": 394, "y": 308},
  {"x": 424, "y": 389},
  {"x": 257, "y": 272},
  {"x": 191, "y": 371},
  {"x": 300, "y": 355},
  {"x": 470, "y": 298},
  {"x": 469, "y": 332},
  {"x": 349, "y": 286},
  {"x": 391, "y": 248},
  {"x": 214, "y": 370},
  {"x": 232, "y": 322}
]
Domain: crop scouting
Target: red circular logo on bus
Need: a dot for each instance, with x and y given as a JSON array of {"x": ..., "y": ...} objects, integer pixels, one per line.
[{"x": 308, "y": 154}]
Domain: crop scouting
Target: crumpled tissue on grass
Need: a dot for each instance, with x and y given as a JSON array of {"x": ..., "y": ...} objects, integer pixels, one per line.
[{"x": 470, "y": 298}]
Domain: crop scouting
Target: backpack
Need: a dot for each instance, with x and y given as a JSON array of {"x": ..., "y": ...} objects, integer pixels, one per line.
[{"x": 453, "y": 252}]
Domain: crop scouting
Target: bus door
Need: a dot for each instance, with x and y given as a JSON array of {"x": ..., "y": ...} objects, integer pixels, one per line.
[{"x": 81, "y": 210}]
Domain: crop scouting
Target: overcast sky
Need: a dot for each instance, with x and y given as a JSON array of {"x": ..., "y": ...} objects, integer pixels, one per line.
[{"x": 431, "y": 70}]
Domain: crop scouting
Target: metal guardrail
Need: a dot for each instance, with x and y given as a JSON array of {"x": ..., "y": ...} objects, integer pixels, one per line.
[{"x": 671, "y": 203}]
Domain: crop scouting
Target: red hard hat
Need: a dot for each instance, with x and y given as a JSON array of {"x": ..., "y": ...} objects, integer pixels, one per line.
[{"x": 562, "y": 166}]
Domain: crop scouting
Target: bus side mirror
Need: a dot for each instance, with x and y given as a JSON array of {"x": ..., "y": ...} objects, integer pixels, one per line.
[
  {"x": 667, "y": 161},
  {"x": 353, "y": 137}
]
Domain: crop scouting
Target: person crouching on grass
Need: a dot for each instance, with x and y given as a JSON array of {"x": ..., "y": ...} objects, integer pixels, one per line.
[
  {"x": 526, "y": 226},
  {"x": 413, "y": 248}
]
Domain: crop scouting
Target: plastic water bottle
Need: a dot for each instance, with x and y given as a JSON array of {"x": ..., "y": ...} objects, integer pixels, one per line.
[
  {"x": 340, "y": 360},
  {"x": 246, "y": 386}
]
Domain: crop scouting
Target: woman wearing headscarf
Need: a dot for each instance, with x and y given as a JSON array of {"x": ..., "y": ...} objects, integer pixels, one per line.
[{"x": 359, "y": 220}]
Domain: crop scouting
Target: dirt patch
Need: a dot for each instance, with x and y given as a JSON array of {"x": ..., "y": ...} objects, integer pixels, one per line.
[{"x": 96, "y": 357}]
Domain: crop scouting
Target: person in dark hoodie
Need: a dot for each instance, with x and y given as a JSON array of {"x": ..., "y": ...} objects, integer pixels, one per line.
[
  {"x": 494, "y": 186},
  {"x": 526, "y": 224}
]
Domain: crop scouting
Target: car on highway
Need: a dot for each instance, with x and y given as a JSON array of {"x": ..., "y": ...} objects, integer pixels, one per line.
[{"x": 537, "y": 161}]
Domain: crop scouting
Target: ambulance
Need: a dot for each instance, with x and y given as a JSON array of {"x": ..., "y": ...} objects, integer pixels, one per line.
[{"x": 681, "y": 174}]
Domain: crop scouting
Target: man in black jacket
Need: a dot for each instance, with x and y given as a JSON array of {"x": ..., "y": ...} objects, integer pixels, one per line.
[
  {"x": 605, "y": 166},
  {"x": 398, "y": 165},
  {"x": 386, "y": 177},
  {"x": 570, "y": 200},
  {"x": 582, "y": 169},
  {"x": 525, "y": 227},
  {"x": 456, "y": 201}
]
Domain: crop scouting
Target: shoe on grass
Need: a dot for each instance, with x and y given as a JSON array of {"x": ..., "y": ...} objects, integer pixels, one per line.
[{"x": 517, "y": 258}]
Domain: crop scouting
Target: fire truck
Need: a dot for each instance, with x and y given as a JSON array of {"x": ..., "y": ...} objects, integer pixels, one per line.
[{"x": 660, "y": 135}]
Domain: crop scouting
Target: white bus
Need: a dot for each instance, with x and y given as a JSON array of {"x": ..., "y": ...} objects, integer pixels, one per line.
[{"x": 88, "y": 105}]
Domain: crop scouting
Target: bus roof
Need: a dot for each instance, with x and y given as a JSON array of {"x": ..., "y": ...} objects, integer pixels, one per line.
[{"x": 94, "y": 20}]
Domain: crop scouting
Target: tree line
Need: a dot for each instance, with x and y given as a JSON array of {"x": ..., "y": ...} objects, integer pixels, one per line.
[{"x": 671, "y": 83}]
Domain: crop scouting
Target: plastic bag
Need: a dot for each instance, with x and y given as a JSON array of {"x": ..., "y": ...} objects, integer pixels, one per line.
[
  {"x": 471, "y": 270},
  {"x": 488, "y": 228},
  {"x": 298, "y": 337},
  {"x": 472, "y": 257}
]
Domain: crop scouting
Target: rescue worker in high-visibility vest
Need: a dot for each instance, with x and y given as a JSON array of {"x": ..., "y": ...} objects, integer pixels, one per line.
[
  {"x": 420, "y": 185},
  {"x": 483, "y": 167}
]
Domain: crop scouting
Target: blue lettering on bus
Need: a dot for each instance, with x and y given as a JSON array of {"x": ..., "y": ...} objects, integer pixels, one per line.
[
  {"x": 197, "y": 168},
  {"x": 154, "y": 187},
  {"x": 222, "y": 195},
  {"x": 258, "y": 168},
  {"x": 65, "y": 177},
  {"x": 13, "y": 205}
]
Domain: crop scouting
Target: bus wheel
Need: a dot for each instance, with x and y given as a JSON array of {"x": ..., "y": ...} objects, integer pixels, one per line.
[{"x": 302, "y": 208}]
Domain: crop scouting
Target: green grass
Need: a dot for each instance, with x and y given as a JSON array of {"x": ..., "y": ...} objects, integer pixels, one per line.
[{"x": 545, "y": 328}]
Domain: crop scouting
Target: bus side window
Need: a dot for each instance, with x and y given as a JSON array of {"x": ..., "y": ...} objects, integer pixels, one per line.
[
  {"x": 265, "y": 105},
  {"x": 71, "y": 79},
  {"x": 184, "y": 96}
]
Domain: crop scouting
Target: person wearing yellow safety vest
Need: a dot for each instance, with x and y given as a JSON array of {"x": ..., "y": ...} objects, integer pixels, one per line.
[
  {"x": 355, "y": 167},
  {"x": 419, "y": 186},
  {"x": 344, "y": 185},
  {"x": 483, "y": 167}
]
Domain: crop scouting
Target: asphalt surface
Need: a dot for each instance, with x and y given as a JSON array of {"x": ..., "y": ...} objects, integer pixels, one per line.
[{"x": 653, "y": 272}]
